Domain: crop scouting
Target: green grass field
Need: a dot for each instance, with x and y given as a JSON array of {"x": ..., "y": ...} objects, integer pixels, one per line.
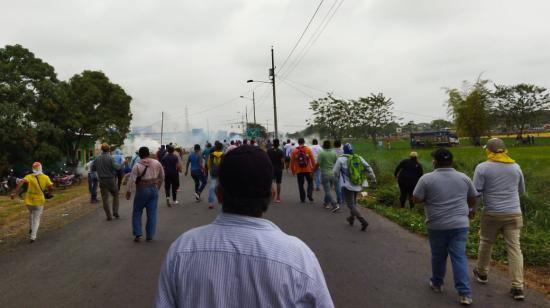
[{"x": 534, "y": 161}]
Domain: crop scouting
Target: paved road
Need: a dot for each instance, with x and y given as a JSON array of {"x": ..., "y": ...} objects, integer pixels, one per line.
[{"x": 95, "y": 263}]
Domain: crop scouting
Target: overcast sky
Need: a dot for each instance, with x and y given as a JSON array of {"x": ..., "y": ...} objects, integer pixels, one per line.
[{"x": 172, "y": 54}]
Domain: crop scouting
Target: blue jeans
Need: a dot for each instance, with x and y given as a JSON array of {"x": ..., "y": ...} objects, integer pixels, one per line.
[
  {"x": 92, "y": 187},
  {"x": 328, "y": 184},
  {"x": 317, "y": 175},
  {"x": 450, "y": 242},
  {"x": 212, "y": 190},
  {"x": 145, "y": 198},
  {"x": 338, "y": 190},
  {"x": 200, "y": 180}
]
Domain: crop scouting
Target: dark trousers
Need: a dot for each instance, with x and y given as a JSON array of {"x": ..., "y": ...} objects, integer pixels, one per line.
[
  {"x": 301, "y": 177},
  {"x": 119, "y": 176},
  {"x": 107, "y": 186},
  {"x": 171, "y": 183},
  {"x": 406, "y": 187},
  {"x": 200, "y": 181},
  {"x": 92, "y": 186}
]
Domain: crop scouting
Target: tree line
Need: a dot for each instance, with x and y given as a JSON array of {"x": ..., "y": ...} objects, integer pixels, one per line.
[
  {"x": 477, "y": 109},
  {"x": 46, "y": 119}
]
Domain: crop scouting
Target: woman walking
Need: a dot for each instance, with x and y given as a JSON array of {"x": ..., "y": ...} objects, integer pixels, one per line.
[{"x": 35, "y": 198}]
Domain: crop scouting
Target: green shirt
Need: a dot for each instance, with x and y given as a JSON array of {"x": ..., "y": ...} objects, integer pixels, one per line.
[{"x": 326, "y": 160}]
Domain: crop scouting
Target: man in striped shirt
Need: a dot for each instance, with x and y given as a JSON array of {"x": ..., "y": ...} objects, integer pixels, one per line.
[{"x": 241, "y": 259}]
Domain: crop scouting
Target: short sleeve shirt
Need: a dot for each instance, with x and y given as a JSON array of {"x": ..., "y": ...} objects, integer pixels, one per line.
[
  {"x": 445, "y": 192},
  {"x": 35, "y": 195},
  {"x": 276, "y": 155}
]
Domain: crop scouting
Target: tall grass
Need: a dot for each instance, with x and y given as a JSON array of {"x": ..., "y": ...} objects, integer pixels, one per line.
[{"x": 534, "y": 161}]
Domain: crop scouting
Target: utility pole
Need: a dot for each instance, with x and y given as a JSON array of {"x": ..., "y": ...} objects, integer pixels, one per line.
[
  {"x": 254, "y": 107},
  {"x": 161, "y": 126},
  {"x": 272, "y": 75}
]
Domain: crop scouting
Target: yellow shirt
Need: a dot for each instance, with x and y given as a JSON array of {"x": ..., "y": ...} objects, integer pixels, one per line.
[{"x": 35, "y": 196}]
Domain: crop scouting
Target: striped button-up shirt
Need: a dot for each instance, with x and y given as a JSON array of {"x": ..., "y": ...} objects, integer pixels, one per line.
[{"x": 241, "y": 261}]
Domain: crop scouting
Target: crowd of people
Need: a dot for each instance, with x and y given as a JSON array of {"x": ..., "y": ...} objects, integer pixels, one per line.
[{"x": 244, "y": 178}]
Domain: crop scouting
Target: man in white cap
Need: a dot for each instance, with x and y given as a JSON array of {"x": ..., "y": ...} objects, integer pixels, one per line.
[
  {"x": 37, "y": 183},
  {"x": 500, "y": 181}
]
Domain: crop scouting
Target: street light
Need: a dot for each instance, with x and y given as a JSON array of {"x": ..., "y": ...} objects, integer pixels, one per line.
[
  {"x": 272, "y": 82},
  {"x": 253, "y": 105}
]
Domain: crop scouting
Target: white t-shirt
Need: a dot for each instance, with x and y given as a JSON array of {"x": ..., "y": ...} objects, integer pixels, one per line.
[{"x": 316, "y": 149}]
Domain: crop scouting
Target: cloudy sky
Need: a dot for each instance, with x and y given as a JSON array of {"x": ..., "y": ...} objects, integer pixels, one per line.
[{"x": 199, "y": 54}]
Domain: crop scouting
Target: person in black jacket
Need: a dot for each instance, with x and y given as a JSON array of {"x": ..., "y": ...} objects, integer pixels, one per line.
[{"x": 407, "y": 173}]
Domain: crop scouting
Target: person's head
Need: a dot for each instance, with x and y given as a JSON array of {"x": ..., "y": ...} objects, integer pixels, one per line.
[
  {"x": 162, "y": 147},
  {"x": 91, "y": 158},
  {"x": 197, "y": 148},
  {"x": 36, "y": 168},
  {"x": 208, "y": 145},
  {"x": 495, "y": 145},
  {"x": 170, "y": 149},
  {"x": 413, "y": 155},
  {"x": 105, "y": 147},
  {"x": 245, "y": 180},
  {"x": 337, "y": 144},
  {"x": 143, "y": 152},
  {"x": 348, "y": 148},
  {"x": 326, "y": 144},
  {"x": 232, "y": 142},
  {"x": 218, "y": 146},
  {"x": 288, "y": 141},
  {"x": 275, "y": 143},
  {"x": 314, "y": 142},
  {"x": 443, "y": 158},
  {"x": 301, "y": 141}
]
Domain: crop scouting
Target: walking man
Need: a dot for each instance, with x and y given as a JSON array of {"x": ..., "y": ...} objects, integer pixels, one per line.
[
  {"x": 500, "y": 182},
  {"x": 172, "y": 168},
  {"x": 106, "y": 169},
  {"x": 92, "y": 180},
  {"x": 302, "y": 162},
  {"x": 450, "y": 197},
  {"x": 146, "y": 177},
  {"x": 316, "y": 149},
  {"x": 37, "y": 182},
  {"x": 352, "y": 170},
  {"x": 242, "y": 259},
  {"x": 214, "y": 160},
  {"x": 197, "y": 170},
  {"x": 325, "y": 164},
  {"x": 407, "y": 174},
  {"x": 277, "y": 161}
]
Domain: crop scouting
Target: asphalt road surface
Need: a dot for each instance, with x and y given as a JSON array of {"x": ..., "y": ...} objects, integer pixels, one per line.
[{"x": 95, "y": 263}]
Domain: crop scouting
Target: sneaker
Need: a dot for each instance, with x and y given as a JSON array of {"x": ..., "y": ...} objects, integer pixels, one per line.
[
  {"x": 466, "y": 300},
  {"x": 278, "y": 200},
  {"x": 310, "y": 198},
  {"x": 210, "y": 206},
  {"x": 436, "y": 289},
  {"x": 175, "y": 202},
  {"x": 116, "y": 216},
  {"x": 480, "y": 277},
  {"x": 197, "y": 197},
  {"x": 350, "y": 220},
  {"x": 336, "y": 209},
  {"x": 137, "y": 239},
  {"x": 517, "y": 294},
  {"x": 364, "y": 226},
  {"x": 168, "y": 202},
  {"x": 326, "y": 206}
]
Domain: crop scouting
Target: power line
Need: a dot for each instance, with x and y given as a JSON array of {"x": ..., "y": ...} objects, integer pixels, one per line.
[
  {"x": 302, "y": 35},
  {"x": 315, "y": 37},
  {"x": 295, "y": 88}
]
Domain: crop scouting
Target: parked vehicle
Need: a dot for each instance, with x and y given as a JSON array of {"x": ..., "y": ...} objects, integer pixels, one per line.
[
  {"x": 66, "y": 179},
  {"x": 4, "y": 188},
  {"x": 434, "y": 138}
]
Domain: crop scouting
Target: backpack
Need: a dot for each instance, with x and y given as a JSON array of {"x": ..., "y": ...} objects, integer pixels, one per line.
[
  {"x": 216, "y": 160},
  {"x": 356, "y": 169},
  {"x": 302, "y": 158}
]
